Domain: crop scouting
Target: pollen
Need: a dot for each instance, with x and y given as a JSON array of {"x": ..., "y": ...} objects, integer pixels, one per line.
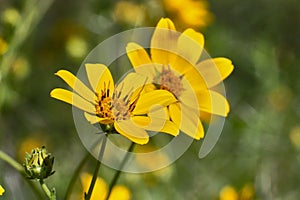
[
  {"x": 113, "y": 108},
  {"x": 168, "y": 80}
]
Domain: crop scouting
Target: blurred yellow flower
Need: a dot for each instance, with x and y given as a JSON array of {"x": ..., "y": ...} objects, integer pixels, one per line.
[
  {"x": 174, "y": 67},
  {"x": 1, "y": 190},
  {"x": 189, "y": 12},
  {"x": 20, "y": 68},
  {"x": 76, "y": 47},
  {"x": 295, "y": 136},
  {"x": 119, "y": 192},
  {"x": 230, "y": 193},
  {"x": 117, "y": 108},
  {"x": 3, "y": 46},
  {"x": 10, "y": 16},
  {"x": 27, "y": 144},
  {"x": 129, "y": 12}
]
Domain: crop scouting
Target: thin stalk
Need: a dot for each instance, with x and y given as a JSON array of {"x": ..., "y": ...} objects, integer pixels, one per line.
[
  {"x": 11, "y": 162},
  {"x": 21, "y": 170},
  {"x": 50, "y": 194},
  {"x": 118, "y": 173},
  {"x": 96, "y": 171}
]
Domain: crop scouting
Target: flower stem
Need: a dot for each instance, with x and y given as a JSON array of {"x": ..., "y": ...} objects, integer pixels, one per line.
[
  {"x": 50, "y": 194},
  {"x": 118, "y": 173},
  {"x": 96, "y": 171},
  {"x": 21, "y": 170},
  {"x": 11, "y": 161}
]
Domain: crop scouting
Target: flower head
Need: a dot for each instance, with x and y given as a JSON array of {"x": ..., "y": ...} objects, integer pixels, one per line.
[
  {"x": 1, "y": 190},
  {"x": 38, "y": 164},
  {"x": 189, "y": 12},
  {"x": 174, "y": 65},
  {"x": 119, "y": 192},
  {"x": 121, "y": 108}
]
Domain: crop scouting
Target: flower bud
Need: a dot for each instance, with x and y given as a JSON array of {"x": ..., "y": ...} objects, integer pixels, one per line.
[{"x": 38, "y": 164}]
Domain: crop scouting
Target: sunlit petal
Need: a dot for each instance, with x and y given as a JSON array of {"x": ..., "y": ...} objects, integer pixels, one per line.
[
  {"x": 164, "y": 41},
  {"x": 73, "y": 99},
  {"x": 140, "y": 60},
  {"x": 190, "y": 45},
  {"x": 99, "y": 76},
  {"x": 188, "y": 120},
  {"x": 130, "y": 130},
  {"x": 76, "y": 85},
  {"x": 215, "y": 70},
  {"x": 213, "y": 102},
  {"x": 152, "y": 98}
]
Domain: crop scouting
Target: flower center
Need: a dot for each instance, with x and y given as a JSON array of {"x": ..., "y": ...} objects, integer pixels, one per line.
[
  {"x": 113, "y": 108},
  {"x": 169, "y": 81}
]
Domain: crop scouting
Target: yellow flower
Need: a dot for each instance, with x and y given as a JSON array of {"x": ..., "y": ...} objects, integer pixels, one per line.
[
  {"x": 174, "y": 66},
  {"x": 189, "y": 12},
  {"x": 230, "y": 193},
  {"x": 3, "y": 46},
  {"x": 1, "y": 190},
  {"x": 118, "y": 108},
  {"x": 129, "y": 12},
  {"x": 119, "y": 192}
]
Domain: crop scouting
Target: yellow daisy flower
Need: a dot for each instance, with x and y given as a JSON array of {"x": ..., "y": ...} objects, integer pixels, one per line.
[
  {"x": 189, "y": 12},
  {"x": 117, "y": 108},
  {"x": 174, "y": 66},
  {"x": 1, "y": 190},
  {"x": 119, "y": 192}
]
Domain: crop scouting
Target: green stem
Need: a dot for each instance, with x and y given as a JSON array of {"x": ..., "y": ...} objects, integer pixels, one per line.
[
  {"x": 21, "y": 170},
  {"x": 50, "y": 194},
  {"x": 96, "y": 171},
  {"x": 45, "y": 188},
  {"x": 118, "y": 173},
  {"x": 11, "y": 162}
]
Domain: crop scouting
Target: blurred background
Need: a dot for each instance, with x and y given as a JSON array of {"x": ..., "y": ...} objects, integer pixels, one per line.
[{"x": 257, "y": 155}]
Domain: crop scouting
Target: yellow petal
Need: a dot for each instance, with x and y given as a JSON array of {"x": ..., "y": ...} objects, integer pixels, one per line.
[
  {"x": 1, "y": 190},
  {"x": 163, "y": 42},
  {"x": 214, "y": 103},
  {"x": 76, "y": 85},
  {"x": 157, "y": 120},
  {"x": 131, "y": 131},
  {"x": 139, "y": 59},
  {"x": 129, "y": 84},
  {"x": 100, "y": 188},
  {"x": 152, "y": 98},
  {"x": 215, "y": 70},
  {"x": 188, "y": 120},
  {"x": 99, "y": 77},
  {"x": 73, "y": 99},
  {"x": 190, "y": 45},
  {"x": 120, "y": 192}
]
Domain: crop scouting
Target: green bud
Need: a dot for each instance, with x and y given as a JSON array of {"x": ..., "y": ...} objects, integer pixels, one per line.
[{"x": 38, "y": 164}]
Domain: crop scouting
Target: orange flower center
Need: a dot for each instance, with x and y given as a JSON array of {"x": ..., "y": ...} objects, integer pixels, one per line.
[
  {"x": 170, "y": 81},
  {"x": 113, "y": 108}
]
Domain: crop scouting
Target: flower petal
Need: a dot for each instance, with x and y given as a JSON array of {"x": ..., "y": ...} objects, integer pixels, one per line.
[
  {"x": 188, "y": 120},
  {"x": 130, "y": 130},
  {"x": 73, "y": 99},
  {"x": 128, "y": 86},
  {"x": 140, "y": 60},
  {"x": 163, "y": 42},
  {"x": 215, "y": 70},
  {"x": 152, "y": 98},
  {"x": 157, "y": 120},
  {"x": 99, "y": 77},
  {"x": 214, "y": 103},
  {"x": 76, "y": 85},
  {"x": 190, "y": 45}
]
